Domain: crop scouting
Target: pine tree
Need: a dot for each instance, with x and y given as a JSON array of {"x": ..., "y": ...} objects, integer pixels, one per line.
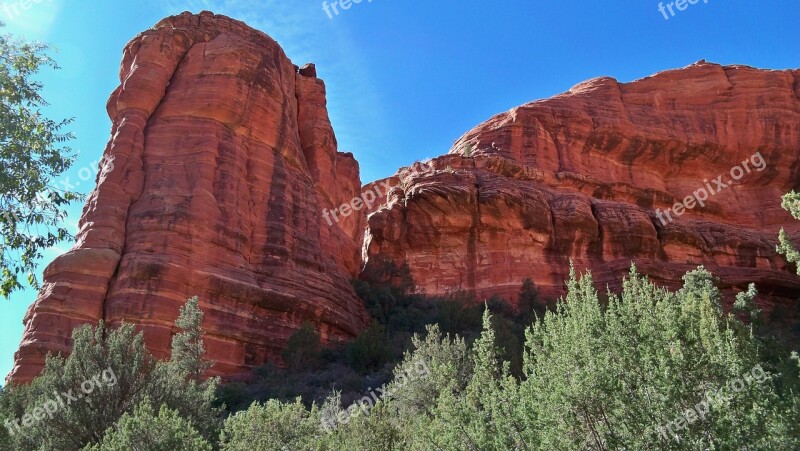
[
  {"x": 188, "y": 350},
  {"x": 791, "y": 203}
]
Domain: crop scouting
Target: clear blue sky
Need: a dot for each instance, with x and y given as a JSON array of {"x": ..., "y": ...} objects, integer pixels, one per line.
[{"x": 405, "y": 77}]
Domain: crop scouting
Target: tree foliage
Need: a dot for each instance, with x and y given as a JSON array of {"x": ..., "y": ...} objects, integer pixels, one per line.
[
  {"x": 32, "y": 155},
  {"x": 144, "y": 430},
  {"x": 303, "y": 349},
  {"x": 188, "y": 350},
  {"x": 606, "y": 378},
  {"x": 273, "y": 425},
  {"x": 108, "y": 374},
  {"x": 626, "y": 374},
  {"x": 645, "y": 369},
  {"x": 791, "y": 203}
]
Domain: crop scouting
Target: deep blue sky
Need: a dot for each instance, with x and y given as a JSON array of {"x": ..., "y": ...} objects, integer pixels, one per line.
[{"x": 405, "y": 77}]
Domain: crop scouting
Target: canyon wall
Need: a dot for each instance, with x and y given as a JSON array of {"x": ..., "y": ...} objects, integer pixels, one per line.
[
  {"x": 591, "y": 177},
  {"x": 221, "y": 157},
  {"x": 222, "y": 160}
]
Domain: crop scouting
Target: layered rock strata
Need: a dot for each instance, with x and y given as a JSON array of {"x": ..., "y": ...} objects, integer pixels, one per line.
[
  {"x": 222, "y": 164},
  {"x": 221, "y": 157},
  {"x": 593, "y": 175}
]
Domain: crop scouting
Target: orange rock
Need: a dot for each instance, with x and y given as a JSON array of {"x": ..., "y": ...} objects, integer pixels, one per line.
[
  {"x": 579, "y": 177},
  {"x": 223, "y": 157}
]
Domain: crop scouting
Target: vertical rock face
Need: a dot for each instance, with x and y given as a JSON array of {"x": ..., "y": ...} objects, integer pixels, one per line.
[
  {"x": 584, "y": 176},
  {"x": 220, "y": 161}
]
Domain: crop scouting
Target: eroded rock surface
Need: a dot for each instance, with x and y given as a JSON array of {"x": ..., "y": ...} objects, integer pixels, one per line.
[
  {"x": 582, "y": 177},
  {"x": 221, "y": 158}
]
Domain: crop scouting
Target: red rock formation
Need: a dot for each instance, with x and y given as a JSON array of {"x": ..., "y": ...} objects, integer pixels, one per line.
[
  {"x": 223, "y": 157},
  {"x": 580, "y": 176}
]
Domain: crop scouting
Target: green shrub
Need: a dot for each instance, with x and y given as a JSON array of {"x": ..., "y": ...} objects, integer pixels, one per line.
[
  {"x": 791, "y": 203},
  {"x": 617, "y": 372},
  {"x": 442, "y": 363},
  {"x": 143, "y": 430},
  {"x": 188, "y": 351},
  {"x": 370, "y": 350},
  {"x": 272, "y": 426},
  {"x": 459, "y": 313},
  {"x": 365, "y": 430},
  {"x": 122, "y": 374},
  {"x": 303, "y": 349},
  {"x": 614, "y": 377}
]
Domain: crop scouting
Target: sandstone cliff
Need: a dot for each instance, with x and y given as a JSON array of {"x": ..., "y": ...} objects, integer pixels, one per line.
[
  {"x": 222, "y": 157},
  {"x": 584, "y": 176}
]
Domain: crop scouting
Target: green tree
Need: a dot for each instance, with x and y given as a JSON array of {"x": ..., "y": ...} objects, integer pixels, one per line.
[
  {"x": 370, "y": 350},
  {"x": 616, "y": 375},
  {"x": 123, "y": 374},
  {"x": 32, "y": 156},
  {"x": 366, "y": 429},
  {"x": 187, "y": 346},
  {"x": 121, "y": 354},
  {"x": 143, "y": 430},
  {"x": 624, "y": 375},
  {"x": 12, "y": 407},
  {"x": 476, "y": 418},
  {"x": 303, "y": 349},
  {"x": 273, "y": 425},
  {"x": 791, "y": 203},
  {"x": 531, "y": 306},
  {"x": 441, "y": 363}
]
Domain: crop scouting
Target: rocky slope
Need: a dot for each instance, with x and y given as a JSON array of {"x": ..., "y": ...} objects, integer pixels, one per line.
[
  {"x": 584, "y": 176},
  {"x": 220, "y": 159}
]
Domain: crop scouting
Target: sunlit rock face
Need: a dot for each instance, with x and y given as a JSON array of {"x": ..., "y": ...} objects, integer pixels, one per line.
[
  {"x": 584, "y": 176},
  {"x": 222, "y": 172},
  {"x": 220, "y": 160}
]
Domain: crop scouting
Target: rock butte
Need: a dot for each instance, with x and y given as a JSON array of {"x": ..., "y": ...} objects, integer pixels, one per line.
[
  {"x": 224, "y": 157},
  {"x": 579, "y": 177}
]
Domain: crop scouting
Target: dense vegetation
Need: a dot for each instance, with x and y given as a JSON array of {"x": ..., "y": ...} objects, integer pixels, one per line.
[
  {"x": 645, "y": 369},
  {"x": 367, "y": 362},
  {"x": 108, "y": 389}
]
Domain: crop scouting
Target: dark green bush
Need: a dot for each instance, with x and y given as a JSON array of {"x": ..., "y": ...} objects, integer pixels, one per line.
[
  {"x": 303, "y": 350},
  {"x": 370, "y": 350}
]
